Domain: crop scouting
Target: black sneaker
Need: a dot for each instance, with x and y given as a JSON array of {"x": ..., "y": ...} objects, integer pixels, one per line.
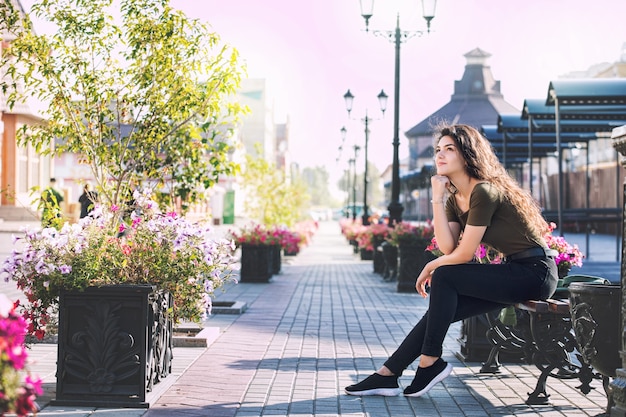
[
  {"x": 426, "y": 378},
  {"x": 375, "y": 384}
]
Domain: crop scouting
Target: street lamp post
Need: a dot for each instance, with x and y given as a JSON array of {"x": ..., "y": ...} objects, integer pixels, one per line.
[
  {"x": 397, "y": 36},
  {"x": 356, "y": 153},
  {"x": 347, "y": 173},
  {"x": 343, "y": 131},
  {"x": 382, "y": 100},
  {"x": 352, "y": 162}
]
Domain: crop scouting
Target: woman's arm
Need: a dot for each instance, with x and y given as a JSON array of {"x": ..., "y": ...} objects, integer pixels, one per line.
[
  {"x": 463, "y": 253},
  {"x": 446, "y": 233}
]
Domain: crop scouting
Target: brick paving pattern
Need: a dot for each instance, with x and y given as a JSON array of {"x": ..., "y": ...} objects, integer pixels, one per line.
[{"x": 326, "y": 321}]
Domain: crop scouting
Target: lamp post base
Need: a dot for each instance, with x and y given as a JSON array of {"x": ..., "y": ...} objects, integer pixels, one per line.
[{"x": 395, "y": 213}]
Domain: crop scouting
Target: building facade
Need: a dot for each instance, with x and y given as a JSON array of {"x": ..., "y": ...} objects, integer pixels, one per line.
[{"x": 22, "y": 170}]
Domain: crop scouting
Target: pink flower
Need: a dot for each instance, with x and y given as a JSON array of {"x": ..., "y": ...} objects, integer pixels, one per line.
[
  {"x": 17, "y": 356},
  {"x": 126, "y": 249},
  {"x": 34, "y": 384},
  {"x": 19, "y": 399}
]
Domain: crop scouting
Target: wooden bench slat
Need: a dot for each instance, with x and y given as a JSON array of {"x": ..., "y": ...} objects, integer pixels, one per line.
[
  {"x": 534, "y": 305},
  {"x": 551, "y": 305},
  {"x": 559, "y": 306}
]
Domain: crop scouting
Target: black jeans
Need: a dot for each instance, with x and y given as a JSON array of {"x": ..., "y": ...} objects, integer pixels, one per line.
[{"x": 458, "y": 292}]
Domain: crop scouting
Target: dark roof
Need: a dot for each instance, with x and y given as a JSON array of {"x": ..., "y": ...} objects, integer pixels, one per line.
[
  {"x": 476, "y": 100},
  {"x": 537, "y": 109},
  {"x": 594, "y": 91},
  {"x": 586, "y": 107},
  {"x": 515, "y": 123},
  {"x": 516, "y": 143},
  {"x": 471, "y": 111}
]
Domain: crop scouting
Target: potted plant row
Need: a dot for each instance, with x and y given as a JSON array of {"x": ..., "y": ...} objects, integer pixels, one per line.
[
  {"x": 365, "y": 243},
  {"x": 368, "y": 239},
  {"x": 351, "y": 229},
  {"x": 261, "y": 248},
  {"x": 379, "y": 233},
  {"x": 297, "y": 237}
]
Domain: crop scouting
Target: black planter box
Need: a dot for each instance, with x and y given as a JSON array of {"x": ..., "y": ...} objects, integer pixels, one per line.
[
  {"x": 595, "y": 310},
  {"x": 474, "y": 345},
  {"x": 277, "y": 261},
  {"x": 115, "y": 343},
  {"x": 390, "y": 255},
  {"x": 257, "y": 263},
  {"x": 413, "y": 258}
]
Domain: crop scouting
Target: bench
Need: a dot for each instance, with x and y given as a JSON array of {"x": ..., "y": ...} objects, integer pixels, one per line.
[
  {"x": 560, "y": 307},
  {"x": 543, "y": 334}
]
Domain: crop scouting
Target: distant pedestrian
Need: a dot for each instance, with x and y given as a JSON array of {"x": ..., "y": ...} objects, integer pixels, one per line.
[
  {"x": 51, "y": 200},
  {"x": 87, "y": 200},
  {"x": 473, "y": 195}
]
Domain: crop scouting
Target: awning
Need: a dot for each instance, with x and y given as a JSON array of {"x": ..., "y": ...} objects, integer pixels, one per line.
[{"x": 591, "y": 92}]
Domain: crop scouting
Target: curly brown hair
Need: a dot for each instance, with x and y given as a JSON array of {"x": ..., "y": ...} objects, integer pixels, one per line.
[{"x": 482, "y": 163}]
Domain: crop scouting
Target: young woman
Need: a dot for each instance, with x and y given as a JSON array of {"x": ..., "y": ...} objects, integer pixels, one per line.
[{"x": 473, "y": 196}]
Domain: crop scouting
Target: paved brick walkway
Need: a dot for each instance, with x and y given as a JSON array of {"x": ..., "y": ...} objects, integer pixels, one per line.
[{"x": 324, "y": 322}]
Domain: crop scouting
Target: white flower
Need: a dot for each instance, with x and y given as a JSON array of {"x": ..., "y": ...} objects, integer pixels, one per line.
[{"x": 41, "y": 267}]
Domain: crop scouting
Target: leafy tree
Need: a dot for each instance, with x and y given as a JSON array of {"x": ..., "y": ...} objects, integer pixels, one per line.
[
  {"x": 144, "y": 101},
  {"x": 269, "y": 198},
  {"x": 375, "y": 194},
  {"x": 317, "y": 181}
]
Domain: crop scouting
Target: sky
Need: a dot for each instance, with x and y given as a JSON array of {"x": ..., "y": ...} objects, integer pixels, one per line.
[{"x": 312, "y": 52}]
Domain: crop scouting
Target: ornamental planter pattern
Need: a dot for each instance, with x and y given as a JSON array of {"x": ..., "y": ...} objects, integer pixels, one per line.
[
  {"x": 256, "y": 263},
  {"x": 115, "y": 343},
  {"x": 595, "y": 311},
  {"x": 413, "y": 257}
]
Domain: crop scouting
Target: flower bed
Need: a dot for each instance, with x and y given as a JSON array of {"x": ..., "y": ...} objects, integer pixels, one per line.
[
  {"x": 109, "y": 247},
  {"x": 350, "y": 229},
  {"x": 290, "y": 240},
  {"x": 569, "y": 255},
  {"x": 405, "y": 233},
  {"x": 367, "y": 235}
]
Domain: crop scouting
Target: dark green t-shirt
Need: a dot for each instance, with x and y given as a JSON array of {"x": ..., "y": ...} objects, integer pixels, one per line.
[{"x": 506, "y": 232}]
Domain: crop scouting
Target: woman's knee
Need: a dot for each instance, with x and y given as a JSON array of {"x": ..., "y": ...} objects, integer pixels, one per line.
[{"x": 442, "y": 276}]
